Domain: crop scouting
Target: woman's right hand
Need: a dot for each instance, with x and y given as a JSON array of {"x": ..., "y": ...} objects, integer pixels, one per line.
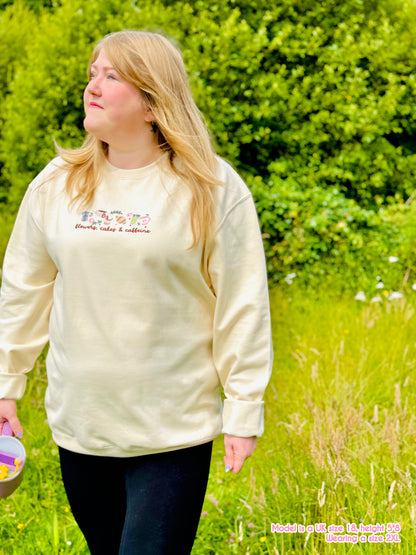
[{"x": 8, "y": 412}]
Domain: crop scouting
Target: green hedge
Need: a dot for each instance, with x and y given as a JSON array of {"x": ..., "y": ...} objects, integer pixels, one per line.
[
  {"x": 324, "y": 237},
  {"x": 16, "y": 24},
  {"x": 314, "y": 103}
]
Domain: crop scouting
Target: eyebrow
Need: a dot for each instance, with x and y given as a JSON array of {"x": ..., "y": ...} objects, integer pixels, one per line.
[{"x": 94, "y": 66}]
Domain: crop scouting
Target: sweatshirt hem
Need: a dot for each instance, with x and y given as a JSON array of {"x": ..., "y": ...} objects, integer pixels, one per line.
[{"x": 134, "y": 452}]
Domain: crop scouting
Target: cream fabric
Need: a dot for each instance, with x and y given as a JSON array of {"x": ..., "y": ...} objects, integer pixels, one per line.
[{"x": 141, "y": 338}]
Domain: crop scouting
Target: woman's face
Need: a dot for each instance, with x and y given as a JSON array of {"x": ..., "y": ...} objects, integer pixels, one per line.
[{"x": 115, "y": 112}]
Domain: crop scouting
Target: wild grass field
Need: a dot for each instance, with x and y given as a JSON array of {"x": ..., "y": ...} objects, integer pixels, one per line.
[{"x": 339, "y": 445}]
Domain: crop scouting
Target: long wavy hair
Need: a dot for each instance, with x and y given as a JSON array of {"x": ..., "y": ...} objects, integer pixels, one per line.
[{"x": 155, "y": 66}]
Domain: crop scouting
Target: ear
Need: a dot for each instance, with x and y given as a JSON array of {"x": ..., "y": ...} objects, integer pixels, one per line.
[{"x": 149, "y": 117}]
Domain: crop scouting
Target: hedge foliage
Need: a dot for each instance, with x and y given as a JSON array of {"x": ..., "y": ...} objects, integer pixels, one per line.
[{"x": 313, "y": 102}]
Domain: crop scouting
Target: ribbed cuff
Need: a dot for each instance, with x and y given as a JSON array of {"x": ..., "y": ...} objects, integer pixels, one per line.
[
  {"x": 243, "y": 418},
  {"x": 12, "y": 386}
]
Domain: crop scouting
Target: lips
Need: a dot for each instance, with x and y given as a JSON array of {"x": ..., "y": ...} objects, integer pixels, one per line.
[{"x": 95, "y": 105}]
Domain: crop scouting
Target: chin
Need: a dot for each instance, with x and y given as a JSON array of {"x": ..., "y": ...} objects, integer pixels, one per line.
[
  {"x": 94, "y": 132},
  {"x": 88, "y": 127}
]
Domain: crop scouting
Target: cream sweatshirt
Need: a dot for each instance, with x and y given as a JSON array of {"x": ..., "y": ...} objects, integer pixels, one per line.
[{"x": 141, "y": 338}]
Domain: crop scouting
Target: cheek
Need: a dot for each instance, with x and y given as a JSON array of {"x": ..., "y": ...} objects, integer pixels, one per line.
[
  {"x": 129, "y": 98},
  {"x": 127, "y": 106}
]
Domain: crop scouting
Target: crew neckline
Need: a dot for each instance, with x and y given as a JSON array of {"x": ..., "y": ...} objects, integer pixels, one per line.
[{"x": 135, "y": 172}]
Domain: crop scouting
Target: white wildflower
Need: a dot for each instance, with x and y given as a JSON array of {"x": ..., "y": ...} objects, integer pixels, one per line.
[
  {"x": 380, "y": 285},
  {"x": 360, "y": 296},
  {"x": 393, "y": 259},
  {"x": 289, "y": 278},
  {"x": 376, "y": 299},
  {"x": 414, "y": 287},
  {"x": 395, "y": 295}
]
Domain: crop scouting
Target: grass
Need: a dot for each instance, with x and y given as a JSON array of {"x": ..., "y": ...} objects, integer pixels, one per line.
[{"x": 338, "y": 447}]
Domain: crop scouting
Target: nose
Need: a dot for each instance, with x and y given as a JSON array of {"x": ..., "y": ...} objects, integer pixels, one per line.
[{"x": 94, "y": 87}]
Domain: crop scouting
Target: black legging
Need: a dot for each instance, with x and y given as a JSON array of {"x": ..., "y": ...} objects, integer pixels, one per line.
[{"x": 147, "y": 505}]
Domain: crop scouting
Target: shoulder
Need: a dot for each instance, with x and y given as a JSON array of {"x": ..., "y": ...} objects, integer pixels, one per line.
[
  {"x": 229, "y": 177},
  {"x": 233, "y": 190},
  {"x": 51, "y": 175},
  {"x": 47, "y": 188}
]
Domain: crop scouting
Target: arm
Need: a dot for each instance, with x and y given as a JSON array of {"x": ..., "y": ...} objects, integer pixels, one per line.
[
  {"x": 242, "y": 346},
  {"x": 26, "y": 299}
]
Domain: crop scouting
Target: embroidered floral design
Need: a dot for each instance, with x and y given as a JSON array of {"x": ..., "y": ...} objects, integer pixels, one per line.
[{"x": 114, "y": 221}]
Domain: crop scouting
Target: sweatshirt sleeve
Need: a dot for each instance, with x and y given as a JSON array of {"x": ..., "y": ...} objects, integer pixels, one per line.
[
  {"x": 26, "y": 298},
  {"x": 242, "y": 344}
]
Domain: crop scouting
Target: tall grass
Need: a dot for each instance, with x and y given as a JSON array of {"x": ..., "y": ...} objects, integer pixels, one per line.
[{"x": 339, "y": 445}]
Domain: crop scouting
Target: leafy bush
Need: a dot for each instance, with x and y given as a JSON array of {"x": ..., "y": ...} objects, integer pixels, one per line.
[
  {"x": 328, "y": 89},
  {"x": 320, "y": 234},
  {"x": 16, "y": 23},
  {"x": 46, "y": 99},
  {"x": 314, "y": 103},
  {"x": 402, "y": 216}
]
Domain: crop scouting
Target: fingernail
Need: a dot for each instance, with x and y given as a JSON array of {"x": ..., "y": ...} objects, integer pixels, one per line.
[
  {"x": 227, "y": 468},
  {"x": 19, "y": 435}
]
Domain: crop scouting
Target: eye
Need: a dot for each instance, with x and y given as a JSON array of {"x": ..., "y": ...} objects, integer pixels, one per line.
[{"x": 111, "y": 76}]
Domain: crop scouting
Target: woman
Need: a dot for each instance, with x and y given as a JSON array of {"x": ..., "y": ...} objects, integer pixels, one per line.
[{"x": 139, "y": 257}]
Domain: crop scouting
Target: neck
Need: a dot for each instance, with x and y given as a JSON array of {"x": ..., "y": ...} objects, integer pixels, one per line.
[{"x": 132, "y": 159}]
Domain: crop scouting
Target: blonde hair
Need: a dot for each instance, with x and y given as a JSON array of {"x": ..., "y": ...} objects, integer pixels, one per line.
[{"x": 155, "y": 66}]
